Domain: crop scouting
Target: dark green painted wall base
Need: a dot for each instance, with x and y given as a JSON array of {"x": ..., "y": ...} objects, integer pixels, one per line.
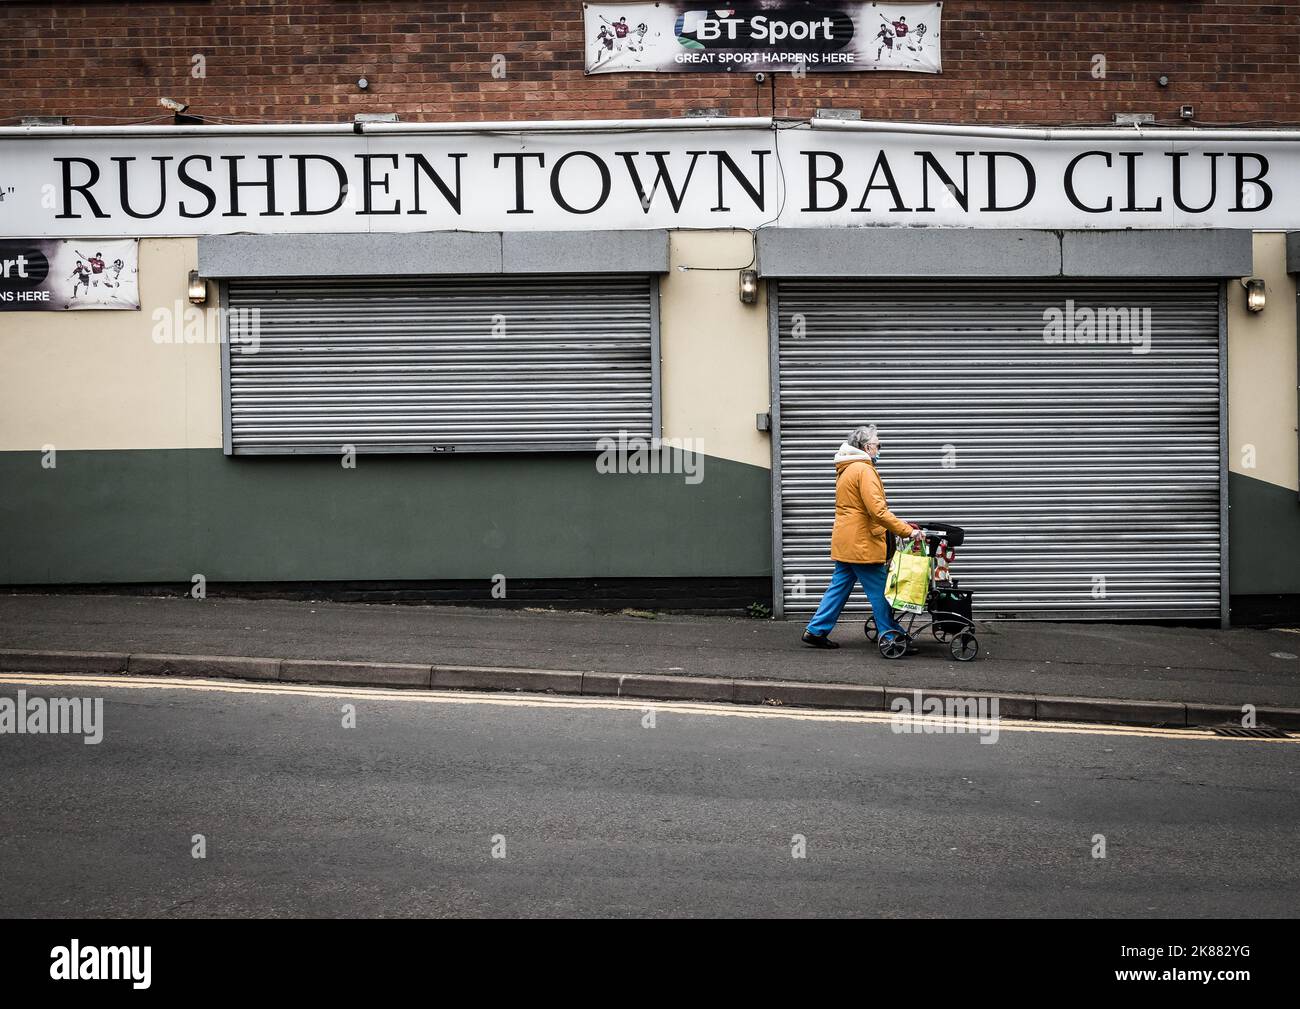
[
  {"x": 1266, "y": 611},
  {"x": 165, "y": 515},
  {"x": 1264, "y": 537},
  {"x": 161, "y": 516},
  {"x": 695, "y": 595}
]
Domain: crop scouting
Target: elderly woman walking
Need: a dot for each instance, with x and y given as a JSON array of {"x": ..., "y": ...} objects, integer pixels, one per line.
[{"x": 862, "y": 521}]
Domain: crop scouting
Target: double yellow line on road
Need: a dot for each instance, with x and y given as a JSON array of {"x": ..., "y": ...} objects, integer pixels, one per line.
[{"x": 568, "y": 702}]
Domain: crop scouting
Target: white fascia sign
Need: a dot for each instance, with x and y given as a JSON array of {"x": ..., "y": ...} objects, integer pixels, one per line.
[{"x": 184, "y": 182}]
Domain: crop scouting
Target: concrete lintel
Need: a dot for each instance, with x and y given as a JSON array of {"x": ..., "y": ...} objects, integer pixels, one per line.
[
  {"x": 348, "y": 255},
  {"x": 433, "y": 253},
  {"x": 1186, "y": 252},
  {"x": 907, "y": 252},
  {"x": 585, "y": 251}
]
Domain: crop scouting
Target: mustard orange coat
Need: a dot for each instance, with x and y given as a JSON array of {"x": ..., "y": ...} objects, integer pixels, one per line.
[{"x": 862, "y": 518}]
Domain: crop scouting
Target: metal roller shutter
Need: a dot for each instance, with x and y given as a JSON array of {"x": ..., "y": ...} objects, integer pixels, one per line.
[
  {"x": 1087, "y": 477},
  {"x": 439, "y": 364}
]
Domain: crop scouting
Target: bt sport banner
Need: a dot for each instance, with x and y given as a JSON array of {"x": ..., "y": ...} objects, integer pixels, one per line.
[
  {"x": 50, "y": 275},
  {"x": 782, "y": 35}
]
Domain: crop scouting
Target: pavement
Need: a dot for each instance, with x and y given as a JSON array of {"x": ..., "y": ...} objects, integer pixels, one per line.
[
  {"x": 507, "y": 805},
  {"x": 1094, "y": 672}
]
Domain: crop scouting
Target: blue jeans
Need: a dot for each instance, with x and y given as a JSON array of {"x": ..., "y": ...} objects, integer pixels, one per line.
[{"x": 872, "y": 577}]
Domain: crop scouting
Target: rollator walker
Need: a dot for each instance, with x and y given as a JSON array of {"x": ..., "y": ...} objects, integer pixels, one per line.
[{"x": 947, "y": 608}]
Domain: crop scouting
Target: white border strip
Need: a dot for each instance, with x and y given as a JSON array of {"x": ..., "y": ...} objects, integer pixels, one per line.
[
  {"x": 313, "y": 129},
  {"x": 1190, "y": 133},
  {"x": 1093, "y": 133}
]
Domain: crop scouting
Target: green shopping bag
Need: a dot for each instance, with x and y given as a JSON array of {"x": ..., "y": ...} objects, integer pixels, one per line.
[{"x": 908, "y": 581}]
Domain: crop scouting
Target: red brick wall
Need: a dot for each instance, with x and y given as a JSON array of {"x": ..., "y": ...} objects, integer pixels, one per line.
[{"x": 1013, "y": 62}]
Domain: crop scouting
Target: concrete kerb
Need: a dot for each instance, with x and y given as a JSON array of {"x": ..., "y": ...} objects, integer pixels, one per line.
[
  {"x": 809, "y": 695},
  {"x": 1122, "y": 712},
  {"x": 558, "y": 681},
  {"x": 662, "y": 688},
  {"x": 633, "y": 685},
  {"x": 14, "y": 660},
  {"x": 1018, "y": 706},
  {"x": 240, "y": 667},
  {"x": 357, "y": 674}
]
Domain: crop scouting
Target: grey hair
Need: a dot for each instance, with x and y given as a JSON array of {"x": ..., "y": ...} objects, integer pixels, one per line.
[{"x": 862, "y": 436}]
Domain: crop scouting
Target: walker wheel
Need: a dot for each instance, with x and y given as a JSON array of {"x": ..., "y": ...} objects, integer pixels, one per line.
[
  {"x": 964, "y": 647},
  {"x": 869, "y": 629},
  {"x": 893, "y": 644}
]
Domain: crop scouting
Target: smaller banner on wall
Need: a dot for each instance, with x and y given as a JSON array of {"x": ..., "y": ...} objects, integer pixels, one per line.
[
  {"x": 42, "y": 274},
  {"x": 777, "y": 35}
]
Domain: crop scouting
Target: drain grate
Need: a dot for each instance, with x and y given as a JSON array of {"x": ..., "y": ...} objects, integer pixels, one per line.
[{"x": 1230, "y": 730}]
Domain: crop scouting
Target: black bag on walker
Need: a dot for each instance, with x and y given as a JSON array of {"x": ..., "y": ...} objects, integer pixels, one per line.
[{"x": 955, "y": 606}]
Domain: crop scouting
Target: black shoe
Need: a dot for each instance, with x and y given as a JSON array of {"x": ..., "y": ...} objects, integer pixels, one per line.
[{"x": 819, "y": 640}]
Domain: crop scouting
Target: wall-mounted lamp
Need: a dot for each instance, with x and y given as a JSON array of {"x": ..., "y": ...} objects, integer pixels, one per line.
[
  {"x": 198, "y": 288},
  {"x": 1255, "y": 293},
  {"x": 748, "y": 286}
]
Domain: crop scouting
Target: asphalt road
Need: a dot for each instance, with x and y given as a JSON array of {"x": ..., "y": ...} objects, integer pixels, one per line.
[{"x": 600, "y": 815}]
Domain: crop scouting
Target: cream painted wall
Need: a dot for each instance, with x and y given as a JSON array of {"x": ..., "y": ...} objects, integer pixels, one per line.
[
  {"x": 1262, "y": 371},
  {"x": 98, "y": 380},
  {"x": 713, "y": 349}
]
